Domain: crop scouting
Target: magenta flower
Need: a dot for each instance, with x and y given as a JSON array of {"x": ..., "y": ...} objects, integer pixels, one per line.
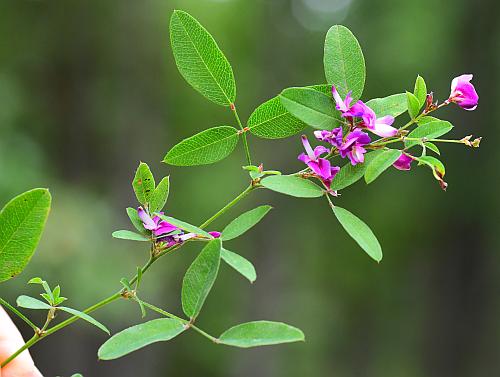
[
  {"x": 155, "y": 224},
  {"x": 403, "y": 162},
  {"x": 342, "y": 105},
  {"x": 379, "y": 126},
  {"x": 320, "y": 166},
  {"x": 463, "y": 92},
  {"x": 334, "y": 137},
  {"x": 353, "y": 146}
]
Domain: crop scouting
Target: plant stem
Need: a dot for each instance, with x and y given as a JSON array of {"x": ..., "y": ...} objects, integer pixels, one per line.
[
  {"x": 36, "y": 338},
  {"x": 243, "y": 135},
  {"x": 27, "y": 345},
  {"x": 184, "y": 321},
  {"x": 228, "y": 206},
  {"x": 18, "y": 313}
]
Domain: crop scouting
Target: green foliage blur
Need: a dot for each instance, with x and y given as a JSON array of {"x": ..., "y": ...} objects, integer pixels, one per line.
[{"x": 89, "y": 88}]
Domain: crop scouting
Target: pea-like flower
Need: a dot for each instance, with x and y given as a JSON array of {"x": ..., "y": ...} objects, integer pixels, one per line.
[
  {"x": 463, "y": 92},
  {"x": 155, "y": 224},
  {"x": 379, "y": 126},
  {"x": 334, "y": 137},
  {"x": 352, "y": 147},
  {"x": 320, "y": 166},
  {"x": 403, "y": 162},
  {"x": 342, "y": 105}
]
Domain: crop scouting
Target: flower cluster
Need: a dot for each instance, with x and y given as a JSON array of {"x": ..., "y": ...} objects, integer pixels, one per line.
[
  {"x": 166, "y": 232},
  {"x": 359, "y": 117}
]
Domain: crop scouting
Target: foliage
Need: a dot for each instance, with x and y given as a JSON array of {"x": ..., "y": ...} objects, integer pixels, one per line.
[{"x": 341, "y": 121}]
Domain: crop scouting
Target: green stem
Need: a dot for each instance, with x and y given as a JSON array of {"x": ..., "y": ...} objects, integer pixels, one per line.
[
  {"x": 228, "y": 206},
  {"x": 243, "y": 135},
  {"x": 184, "y": 321},
  {"x": 18, "y": 313},
  {"x": 117, "y": 295},
  {"x": 27, "y": 345}
]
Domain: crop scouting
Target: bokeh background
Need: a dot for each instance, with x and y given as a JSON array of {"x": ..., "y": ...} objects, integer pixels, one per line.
[{"x": 90, "y": 88}]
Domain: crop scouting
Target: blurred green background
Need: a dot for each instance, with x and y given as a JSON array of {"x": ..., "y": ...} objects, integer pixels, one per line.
[{"x": 90, "y": 88}]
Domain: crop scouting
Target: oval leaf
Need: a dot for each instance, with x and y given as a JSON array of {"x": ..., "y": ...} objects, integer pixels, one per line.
[
  {"x": 139, "y": 336},
  {"x": 129, "y": 235},
  {"x": 350, "y": 174},
  {"x": 21, "y": 224},
  {"x": 160, "y": 195},
  {"x": 143, "y": 184},
  {"x": 381, "y": 163},
  {"x": 240, "y": 264},
  {"x": 200, "y": 60},
  {"x": 413, "y": 105},
  {"x": 311, "y": 106},
  {"x": 420, "y": 90},
  {"x": 271, "y": 120},
  {"x": 200, "y": 278},
  {"x": 85, "y": 317},
  {"x": 260, "y": 333},
  {"x": 393, "y": 105},
  {"x": 244, "y": 222},
  {"x": 360, "y": 232},
  {"x": 136, "y": 220},
  {"x": 430, "y": 128},
  {"x": 28, "y": 302},
  {"x": 207, "y": 147},
  {"x": 293, "y": 186},
  {"x": 344, "y": 62}
]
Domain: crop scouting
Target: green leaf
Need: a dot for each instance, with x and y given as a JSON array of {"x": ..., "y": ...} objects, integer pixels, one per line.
[
  {"x": 204, "y": 148},
  {"x": 129, "y": 235},
  {"x": 200, "y": 60},
  {"x": 437, "y": 167},
  {"x": 159, "y": 196},
  {"x": 413, "y": 105},
  {"x": 429, "y": 128},
  {"x": 350, "y": 174},
  {"x": 381, "y": 163},
  {"x": 433, "y": 147},
  {"x": 293, "y": 186},
  {"x": 311, "y": 106},
  {"x": 28, "y": 302},
  {"x": 136, "y": 220},
  {"x": 200, "y": 278},
  {"x": 244, "y": 222},
  {"x": 240, "y": 264},
  {"x": 420, "y": 90},
  {"x": 36, "y": 281},
  {"x": 271, "y": 120},
  {"x": 344, "y": 62},
  {"x": 360, "y": 232},
  {"x": 143, "y": 183},
  {"x": 393, "y": 105},
  {"x": 185, "y": 226},
  {"x": 85, "y": 317},
  {"x": 260, "y": 333},
  {"x": 21, "y": 224},
  {"x": 139, "y": 336}
]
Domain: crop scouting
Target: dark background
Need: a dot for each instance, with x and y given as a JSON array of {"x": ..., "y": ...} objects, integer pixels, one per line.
[{"x": 89, "y": 88}]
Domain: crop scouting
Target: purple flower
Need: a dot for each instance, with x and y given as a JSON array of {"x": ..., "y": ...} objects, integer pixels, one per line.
[
  {"x": 353, "y": 146},
  {"x": 334, "y": 137},
  {"x": 379, "y": 126},
  {"x": 342, "y": 105},
  {"x": 155, "y": 224},
  {"x": 320, "y": 166},
  {"x": 403, "y": 162},
  {"x": 463, "y": 92},
  {"x": 215, "y": 234}
]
